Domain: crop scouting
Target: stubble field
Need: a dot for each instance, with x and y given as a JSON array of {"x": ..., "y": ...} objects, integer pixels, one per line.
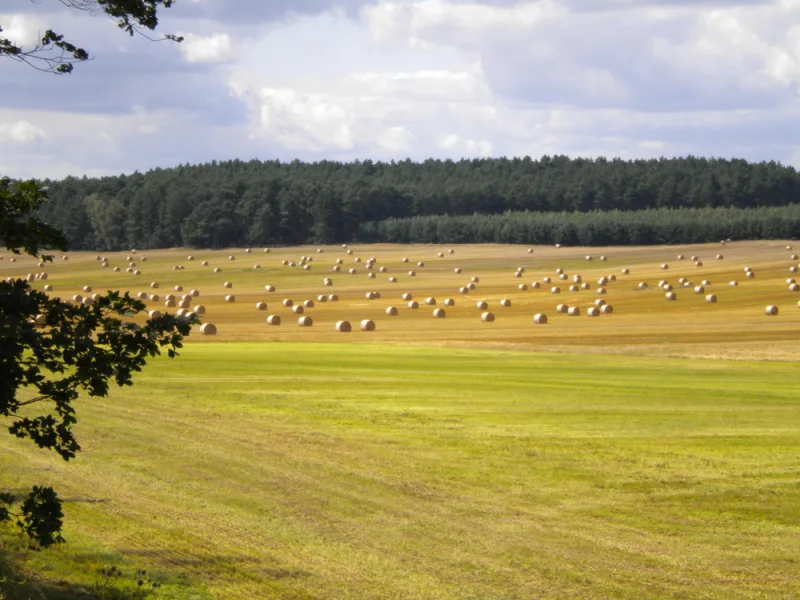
[{"x": 623, "y": 455}]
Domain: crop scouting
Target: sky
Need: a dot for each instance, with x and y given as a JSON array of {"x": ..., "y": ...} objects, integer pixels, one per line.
[{"x": 391, "y": 79}]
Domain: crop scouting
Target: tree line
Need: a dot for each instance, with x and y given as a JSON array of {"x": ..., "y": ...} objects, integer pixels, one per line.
[{"x": 236, "y": 203}]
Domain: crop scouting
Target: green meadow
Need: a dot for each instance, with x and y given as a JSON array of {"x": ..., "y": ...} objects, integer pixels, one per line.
[{"x": 624, "y": 456}]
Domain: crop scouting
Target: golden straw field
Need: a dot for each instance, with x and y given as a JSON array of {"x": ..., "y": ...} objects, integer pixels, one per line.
[{"x": 650, "y": 452}]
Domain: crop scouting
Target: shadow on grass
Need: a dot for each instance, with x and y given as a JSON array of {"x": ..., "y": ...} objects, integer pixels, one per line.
[{"x": 16, "y": 585}]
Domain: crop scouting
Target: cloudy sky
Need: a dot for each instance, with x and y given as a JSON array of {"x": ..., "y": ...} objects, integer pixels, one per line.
[{"x": 391, "y": 79}]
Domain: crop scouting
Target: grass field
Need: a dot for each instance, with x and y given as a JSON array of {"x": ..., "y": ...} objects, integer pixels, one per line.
[{"x": 443, "y": 458}]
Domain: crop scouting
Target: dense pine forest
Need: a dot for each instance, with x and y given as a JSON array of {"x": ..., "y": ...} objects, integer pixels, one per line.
[{"x": 549, "y": 200}]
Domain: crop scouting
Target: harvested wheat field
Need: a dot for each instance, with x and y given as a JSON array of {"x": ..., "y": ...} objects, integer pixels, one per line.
[{"x": 608, "y": 453}]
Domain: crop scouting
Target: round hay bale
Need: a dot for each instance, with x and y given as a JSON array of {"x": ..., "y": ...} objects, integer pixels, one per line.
[
  {"x": 517, "y": 274},
  {"x": 407, "y": 297},
  {"x": 205, "y": 263},
  {"x": 530, "y": 250},
  {"x": 793, "y": 287},
  {"x": 154, "y": 314},
  {"x": 589, "y": 257},
  {"x": 771, "y": 310},
  {"x": 438, "y": 313},
  {"x": 227, "y": 284},
  {"x": 694, "y": 257},
  {"x": 231, "y": 257},
  {"x": 505, "y": 302},
  {"x": 475, "y": 280},
  {"x": 320, "y": 250},
  {"x": 208, "y": 329},
  {"x": 154, "y": 285},
  {"x": 705, "y": 282},
  {"x": 522, "y": 287},
  {"x": 574, "y": 288},
  {"x": 546, "y": 279},
  {"x": 140, "y": 295},
  {"x": 169, "y": 303},
  {"x": 699, "y": 289},
  {"x": 750, "y": 275},
  {"x": 574, "y": 311},
  {"x": 420, "y": 264},
  {"x": 559, "y": 271},
  {"x": 259, "y": 306},
  {"x": 77, "y": 298},
  {"x": 790, "y": 281},
  {"x": 217, "y": 270},
  {"x": 464, "y": 290},
  {"x": 603, "y": 258},
  {"x": 698, "y": 263},
  {"x": 601, "y": 291},
  {"x": 449, "y": 302},
  {"x": 181, "y": 312},
  {"x": 642, "y": 285},
  {"x": 607, "y": 309},
  {"x": 563, "y": 277},
  {"x": 273, "y": 320},
  {"x": 451, "y": 251},
  {"x": 457, "y": 270},
  {"x": 104, "y": 265},
  {"x": 256, "y": 266},
  {"x": 562, "y": 308},
  {"x": 734, "y": 283},
  {"x": 357, "y": 259},
  {"x": 430, "y": 301},
  {"x": 793, "y": 257},
  {"x": 371, "y": 276},
  {"x": 116, "y": 269},
  {"x": 602, "y": 281},
  {"x": 349, "y": 252},
  {"x": 412, "y": 274},
  {"x": 230, "y": 298},
  {"x": 288, "y": 302},
  {"x": 671, "y": 296},
  {"x": 555, "y": 290},
  {"x": 369, "y": 295},
  {"x": 285, "y": 263},
  {"x": 667, "y": 287},
  {"x": 308, "y": 303},
  {"x": 178, "y": 288},
  {"x": 536, "y": 285},
  {"x": 558, "y": 245},
  {"x": 367, "y": 325},
  {"x": 87, "y": 301},
  {"x": 292, "y": 264},
  {"x": 344, "y": 327},
  {"x": 577, "y": 279},
  {"x": 540, "y": 319},
  {"x": 392, "y": 279},
  {"x": 87, "y": 288},
  {"x": 520, "y": 269},
  {"x": 351, "y": 271},
  {"x": 711, "y": 298},
  {"x": 199, "y": 309},
  {"x": 336, "y": 269},
  {"x": 593, "y": 312},
  {"x": 720, "y": 257},
  {"x": 137, "y": 272},
  {"x": 322, "y": 298},
  {"x": 665, "y": 267},
  {"x": 383, "y": 270},
  {"x": 391, "y": 311},
  {"x": 48, "y": 288},
  {"x": 333, "y": 298},
  {"x": 482, "y": 304},
  {"x": 487, "y": 317},
  {"x": 305, "y": 322},
  {"x": 413, "y": 305},
  {"x": 792, "y": 269}
]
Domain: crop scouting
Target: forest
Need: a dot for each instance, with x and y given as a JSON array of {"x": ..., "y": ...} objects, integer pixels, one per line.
[{"x": 553, "y": 199}]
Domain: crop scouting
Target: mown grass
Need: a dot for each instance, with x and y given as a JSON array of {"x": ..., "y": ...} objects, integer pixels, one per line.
[{"x": 319, "y": 470}]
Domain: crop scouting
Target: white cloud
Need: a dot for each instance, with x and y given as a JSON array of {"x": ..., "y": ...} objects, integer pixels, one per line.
[
  {"x": 215, "y": 48},
  {"x": 20, "y": 131},
  {"x": 21, "y": 29},
  {"x": 395, "y": 140}
]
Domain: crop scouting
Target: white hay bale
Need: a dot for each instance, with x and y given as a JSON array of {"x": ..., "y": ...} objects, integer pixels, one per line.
[
  {"x": 178, "y": 288},
  {"x": 790, "y": 281},
  {"x": 607, "y": 309},
  {"x": 154, "y": 285},
  {"x": 457, "y": 270},
  {"x": 522, "y": 287},
  {"x": 322, "y": 298},
  {"x": 720, "y": 257},
  {"x": 367, "y": 325},
  {"x": 298, "y": 309},
  {"x": 563, "y": 277},
  {"x": 451, "y": 251},
  {"x": 336, "y": 269},
  {"x": 199, "y": 309},
  {"x": 413, "y": 305},
  {"x": 505, "y": 302},
  {"x": 352, "y": 271},
  {"x": 231, "y": 257},
  {"x": 430, "y": 301},
  {"x": 370, "y": 295},
  {"x": 750, "y": 275},
  {"x": 285, "y": 263},
  {"x": 328, "y": 282},
  {"x": 440, "y": 254},
  {"x": 555, "y": 290},
  {"x": 288, "y": 302},
  {"x": 256, "y": 266},
  {"x": 412, "y": 274},
  {"x": 169, "y": 303},
  {"x": 405, "y": 259},
  {"x": 407, "y": 297},
  {"x": 217, "y": 270},
  {"x": 357, "y": 259},
  {"x": 230, "y": 298},
  {"x": 540, "y": 319},
  {"x": 593, "y": 312},
  {"x": 140, "y": 295},
  {"x": 391, "y": 311},
  {"x": 137, "y": 273},
  {"x": 305, "y": 322},
  {"x": 559, "y": 271},
  {"x": 520, "y": 269},
  {"x": 574, "y": 311},
  {"x": 87, "y": 288},
  {"x": 48, "y": 288},
  {"x": 190, "y": 258},
  {"x": 794, "y": 257},
  {"x": 259, "y": 306},
  {"x": 601, "y": 291},
  {"x": 464, "y": 290},
  {"x": 482, "y": 304},
  {"x": 487, "y": 317},
  {"x": 449, "y": 302},
  {"x": 154, "y": 314},
  {"x": 562, "y": 309},
  {"x": 536, "y": 285},
  {"x": 711, "y": 298},
  {"x": 371, "y": 276},
  {"x": 792, "y": 269},
  {"x": 349, "y": 252},
  {"x": 475, "y": 280},
  {"x": 392, "y": 279},
  {"x": 794, "y": 287},
  {"x": 104, "y": 265},
  {"x": 642, "y": 285},
  {"x": 320, "y": 250},
  {"x": 748, "y": 269},
  {"x": 205, "y": 263},
  {"x": 420, "y": 264},
  {"x": 705, "y": 282},
  {"x": 664, "y": 267},
  {"x": 694, "y": 257},
  {"x": 77, "y": 298},
  {"x": 170, "y": 297},
  {"x": 383, "y": 270},
  {"x": 517, "y": 274},
  {"x": 602, "y": 281},
  {"x": 574, "y": 288},
  {"x": 771, "y": 310},
  {"x": 699, "y": 289},
  {"x": 274, "y": 320},
  {"x": 546, "y": 279},
  {"x": 344, "y": 327},
  {"x": 698, "y": 263},
  {"x": 438, "y": 313},
  {"x": 558, "y": 245},
  {"x": 530, "y": 250},
  {"x": 603, "y": 258},
  {"x": 589, "y": 257},
  {"x": 671, "y": 296},
  {"x": 734, "y": 283},
  {"x": 667, "y": 287},
  {"x": 227, "y": 284}
]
